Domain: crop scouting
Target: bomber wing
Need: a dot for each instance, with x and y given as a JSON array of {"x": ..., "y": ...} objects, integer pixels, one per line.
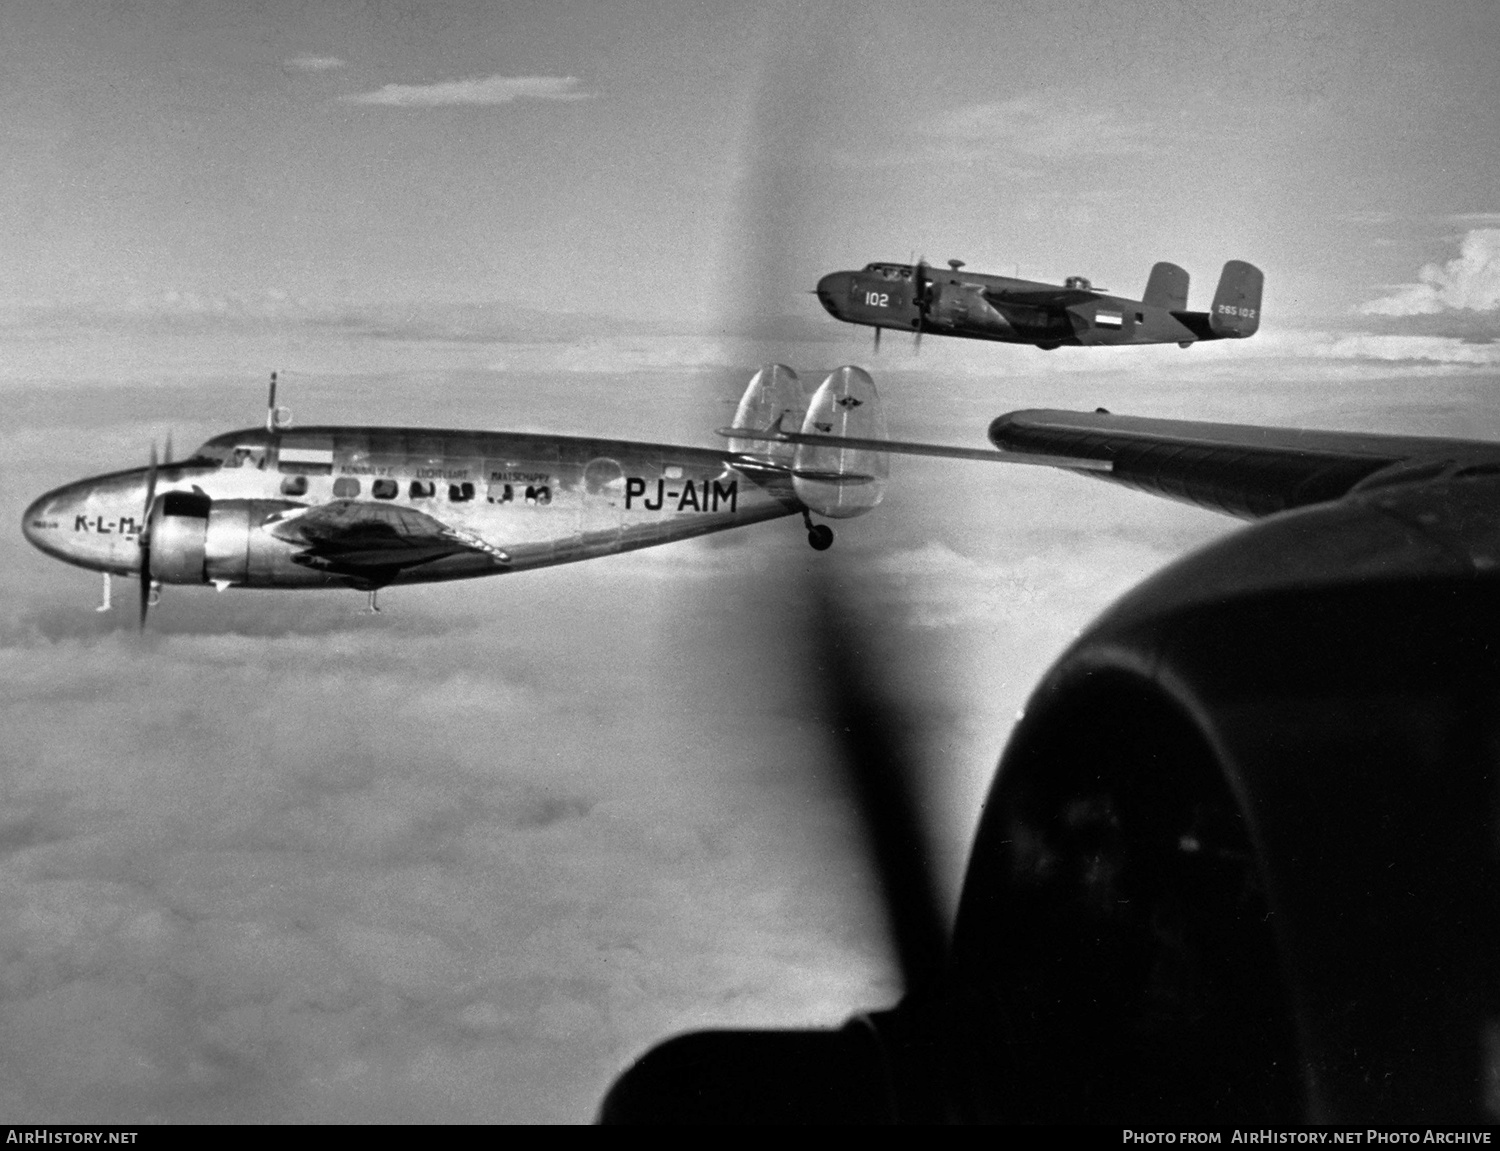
[
  {"x": 1237, "y": 469},
  {"x": 1043, "y": 296},
  {"x": 362, "y": 538}
]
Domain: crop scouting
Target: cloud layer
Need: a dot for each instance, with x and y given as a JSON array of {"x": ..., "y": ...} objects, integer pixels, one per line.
[{"x": 484, "y": 90}]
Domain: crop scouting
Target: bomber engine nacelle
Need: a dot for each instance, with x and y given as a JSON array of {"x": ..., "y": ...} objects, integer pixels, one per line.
[
  {"x": 960, "y": 306},
  {"x": 840, "y": 482},
  {"x": 195, "y": 540}
]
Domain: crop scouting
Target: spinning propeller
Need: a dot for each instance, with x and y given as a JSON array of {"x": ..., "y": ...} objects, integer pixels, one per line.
[
  {"x": 921, "y": 297},
  {"x": 148, "y": 594},
  {"x": 890, "y": 1065}
]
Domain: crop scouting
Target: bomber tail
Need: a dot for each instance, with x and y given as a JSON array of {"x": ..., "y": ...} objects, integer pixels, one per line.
[
  {"x": 1167, "y": 288},
  {"x": 1236, "y": 310}
]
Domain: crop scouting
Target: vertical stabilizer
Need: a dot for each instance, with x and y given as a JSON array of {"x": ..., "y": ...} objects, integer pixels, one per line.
[
  {"x": 840, "y": 482},
  {"x": 1236, "y": 310},
  {"x": 773, "y": 401},
  {"x": 1167, "y": 288}
]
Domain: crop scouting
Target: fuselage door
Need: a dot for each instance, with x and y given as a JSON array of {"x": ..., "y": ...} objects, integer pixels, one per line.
[{"x": 603, "y": 501}]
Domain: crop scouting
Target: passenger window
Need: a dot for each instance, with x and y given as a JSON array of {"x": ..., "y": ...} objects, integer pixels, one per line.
[
  {"x": 384, "y": 489},
  {"x": 460, "y": 493},
  {"x": 294, "y": 486},
  {"x": 345, "y": 487},
  {"x": 539, "y": 495},
  {"x": 422, "y": 490},
  {"x": 507, "y": 493}
]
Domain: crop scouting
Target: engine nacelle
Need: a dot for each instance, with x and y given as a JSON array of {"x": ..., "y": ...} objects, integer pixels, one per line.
[
  {"x": 961, "y": 307},
  {"x": 197, "y": 540},
  {"x": 842, "y": 482}
]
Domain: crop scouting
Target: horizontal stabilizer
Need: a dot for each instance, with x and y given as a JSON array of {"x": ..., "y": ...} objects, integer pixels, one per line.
[
  {"x": 909, "y": 448},
  {"x": 852, "y": 478}
]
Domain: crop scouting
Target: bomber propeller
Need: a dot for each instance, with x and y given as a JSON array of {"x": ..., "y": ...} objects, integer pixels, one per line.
[{"x": 921, "y": 297}]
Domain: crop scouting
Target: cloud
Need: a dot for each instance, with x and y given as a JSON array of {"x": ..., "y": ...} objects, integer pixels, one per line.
[
  {"x": 1403, "y": 348},
  {"x": 310, "y": 63},
  {"x": 1470, "y": 281},
  {"x": 479, "y": 90}
]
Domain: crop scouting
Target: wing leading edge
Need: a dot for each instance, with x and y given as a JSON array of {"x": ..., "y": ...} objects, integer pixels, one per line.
[{"x": 1238, "y": 469}]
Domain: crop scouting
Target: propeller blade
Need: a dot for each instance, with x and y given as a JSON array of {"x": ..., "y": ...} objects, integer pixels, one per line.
[
  {"x": 919, "y": 288},
  {"x": 143, "y": 540},
  {"x": 882, "y": 786},
  {"x": 877, "y": 341}
]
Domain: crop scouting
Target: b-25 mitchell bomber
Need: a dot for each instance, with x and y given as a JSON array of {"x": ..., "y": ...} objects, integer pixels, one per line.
[{"x": 919, "y": 299}]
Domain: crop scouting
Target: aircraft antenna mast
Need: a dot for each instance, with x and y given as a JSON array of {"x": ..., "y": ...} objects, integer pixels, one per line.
[{"x": 276, "y": 418}]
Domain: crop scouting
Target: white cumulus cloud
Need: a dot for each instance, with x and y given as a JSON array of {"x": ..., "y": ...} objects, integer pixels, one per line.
[
  {"x": 478, "y": 90},
  {"x": 1469, "y": 281}
]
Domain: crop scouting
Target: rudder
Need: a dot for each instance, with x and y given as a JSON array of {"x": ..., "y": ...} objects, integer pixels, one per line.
[
  {"x": 1236, "y": 310},
  {"x": 1167, "y": 287}
]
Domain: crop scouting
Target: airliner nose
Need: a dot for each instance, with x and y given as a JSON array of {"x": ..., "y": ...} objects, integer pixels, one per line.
[
  {"x": 833, "y": 290},
  {"x": 93, "y": 523},
  {"x": 41, "y": 523}
]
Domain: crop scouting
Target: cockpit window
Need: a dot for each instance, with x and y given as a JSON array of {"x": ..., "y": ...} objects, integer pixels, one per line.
[{"x": 229, "y": 452}]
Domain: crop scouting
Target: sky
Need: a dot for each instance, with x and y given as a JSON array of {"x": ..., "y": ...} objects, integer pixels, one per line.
[{"x": 280, "y": 861}]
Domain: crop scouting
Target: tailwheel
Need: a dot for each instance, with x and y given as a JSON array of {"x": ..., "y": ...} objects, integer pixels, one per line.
[{"x": 820, "y": 537}]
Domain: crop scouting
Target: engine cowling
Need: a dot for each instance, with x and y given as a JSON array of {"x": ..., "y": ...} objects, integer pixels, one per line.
[
  {"x": 196, "y": 540},
  {"x": 960, "y": 307},
  {"x": 840, "y": 482}
]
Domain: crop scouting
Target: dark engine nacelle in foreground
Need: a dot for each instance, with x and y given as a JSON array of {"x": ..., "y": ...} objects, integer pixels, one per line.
[
  {"x": 197, "y": 540},
  {"x": 1238, "y": 865}
]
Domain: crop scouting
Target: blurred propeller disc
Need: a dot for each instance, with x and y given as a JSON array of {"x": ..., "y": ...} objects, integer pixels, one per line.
[{"x": 143, "y": 540}]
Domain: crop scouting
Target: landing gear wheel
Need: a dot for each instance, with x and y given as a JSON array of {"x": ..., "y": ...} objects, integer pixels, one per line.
[{"x": 820, "y": 537}]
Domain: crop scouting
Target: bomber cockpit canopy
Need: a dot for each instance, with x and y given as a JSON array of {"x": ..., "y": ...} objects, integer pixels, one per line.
[
  {"x": 890, "y": 271},
  {"x": 232, "y": 450}
]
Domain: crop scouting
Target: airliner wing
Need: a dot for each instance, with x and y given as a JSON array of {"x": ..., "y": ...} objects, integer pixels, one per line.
[
  {"x": 358, "y": 536},
  {"x": 1237, "y": 469}
]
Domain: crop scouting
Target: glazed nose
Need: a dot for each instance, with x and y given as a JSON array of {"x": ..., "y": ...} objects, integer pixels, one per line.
[{"x": 833, "y": 292}]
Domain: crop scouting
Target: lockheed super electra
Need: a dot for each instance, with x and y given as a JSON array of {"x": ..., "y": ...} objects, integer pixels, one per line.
[{"x": 367, "y": 507}]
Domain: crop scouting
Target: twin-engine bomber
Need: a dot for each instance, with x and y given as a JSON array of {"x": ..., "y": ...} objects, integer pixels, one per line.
[
  {"x": 919, "y": 299},
  {"x": 366, "y": 507}
]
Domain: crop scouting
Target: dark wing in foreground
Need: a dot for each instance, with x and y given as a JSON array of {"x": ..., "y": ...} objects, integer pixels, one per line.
[
  {"x": 1241, "y": 470},
  {"x": 364, "y": 538}
]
